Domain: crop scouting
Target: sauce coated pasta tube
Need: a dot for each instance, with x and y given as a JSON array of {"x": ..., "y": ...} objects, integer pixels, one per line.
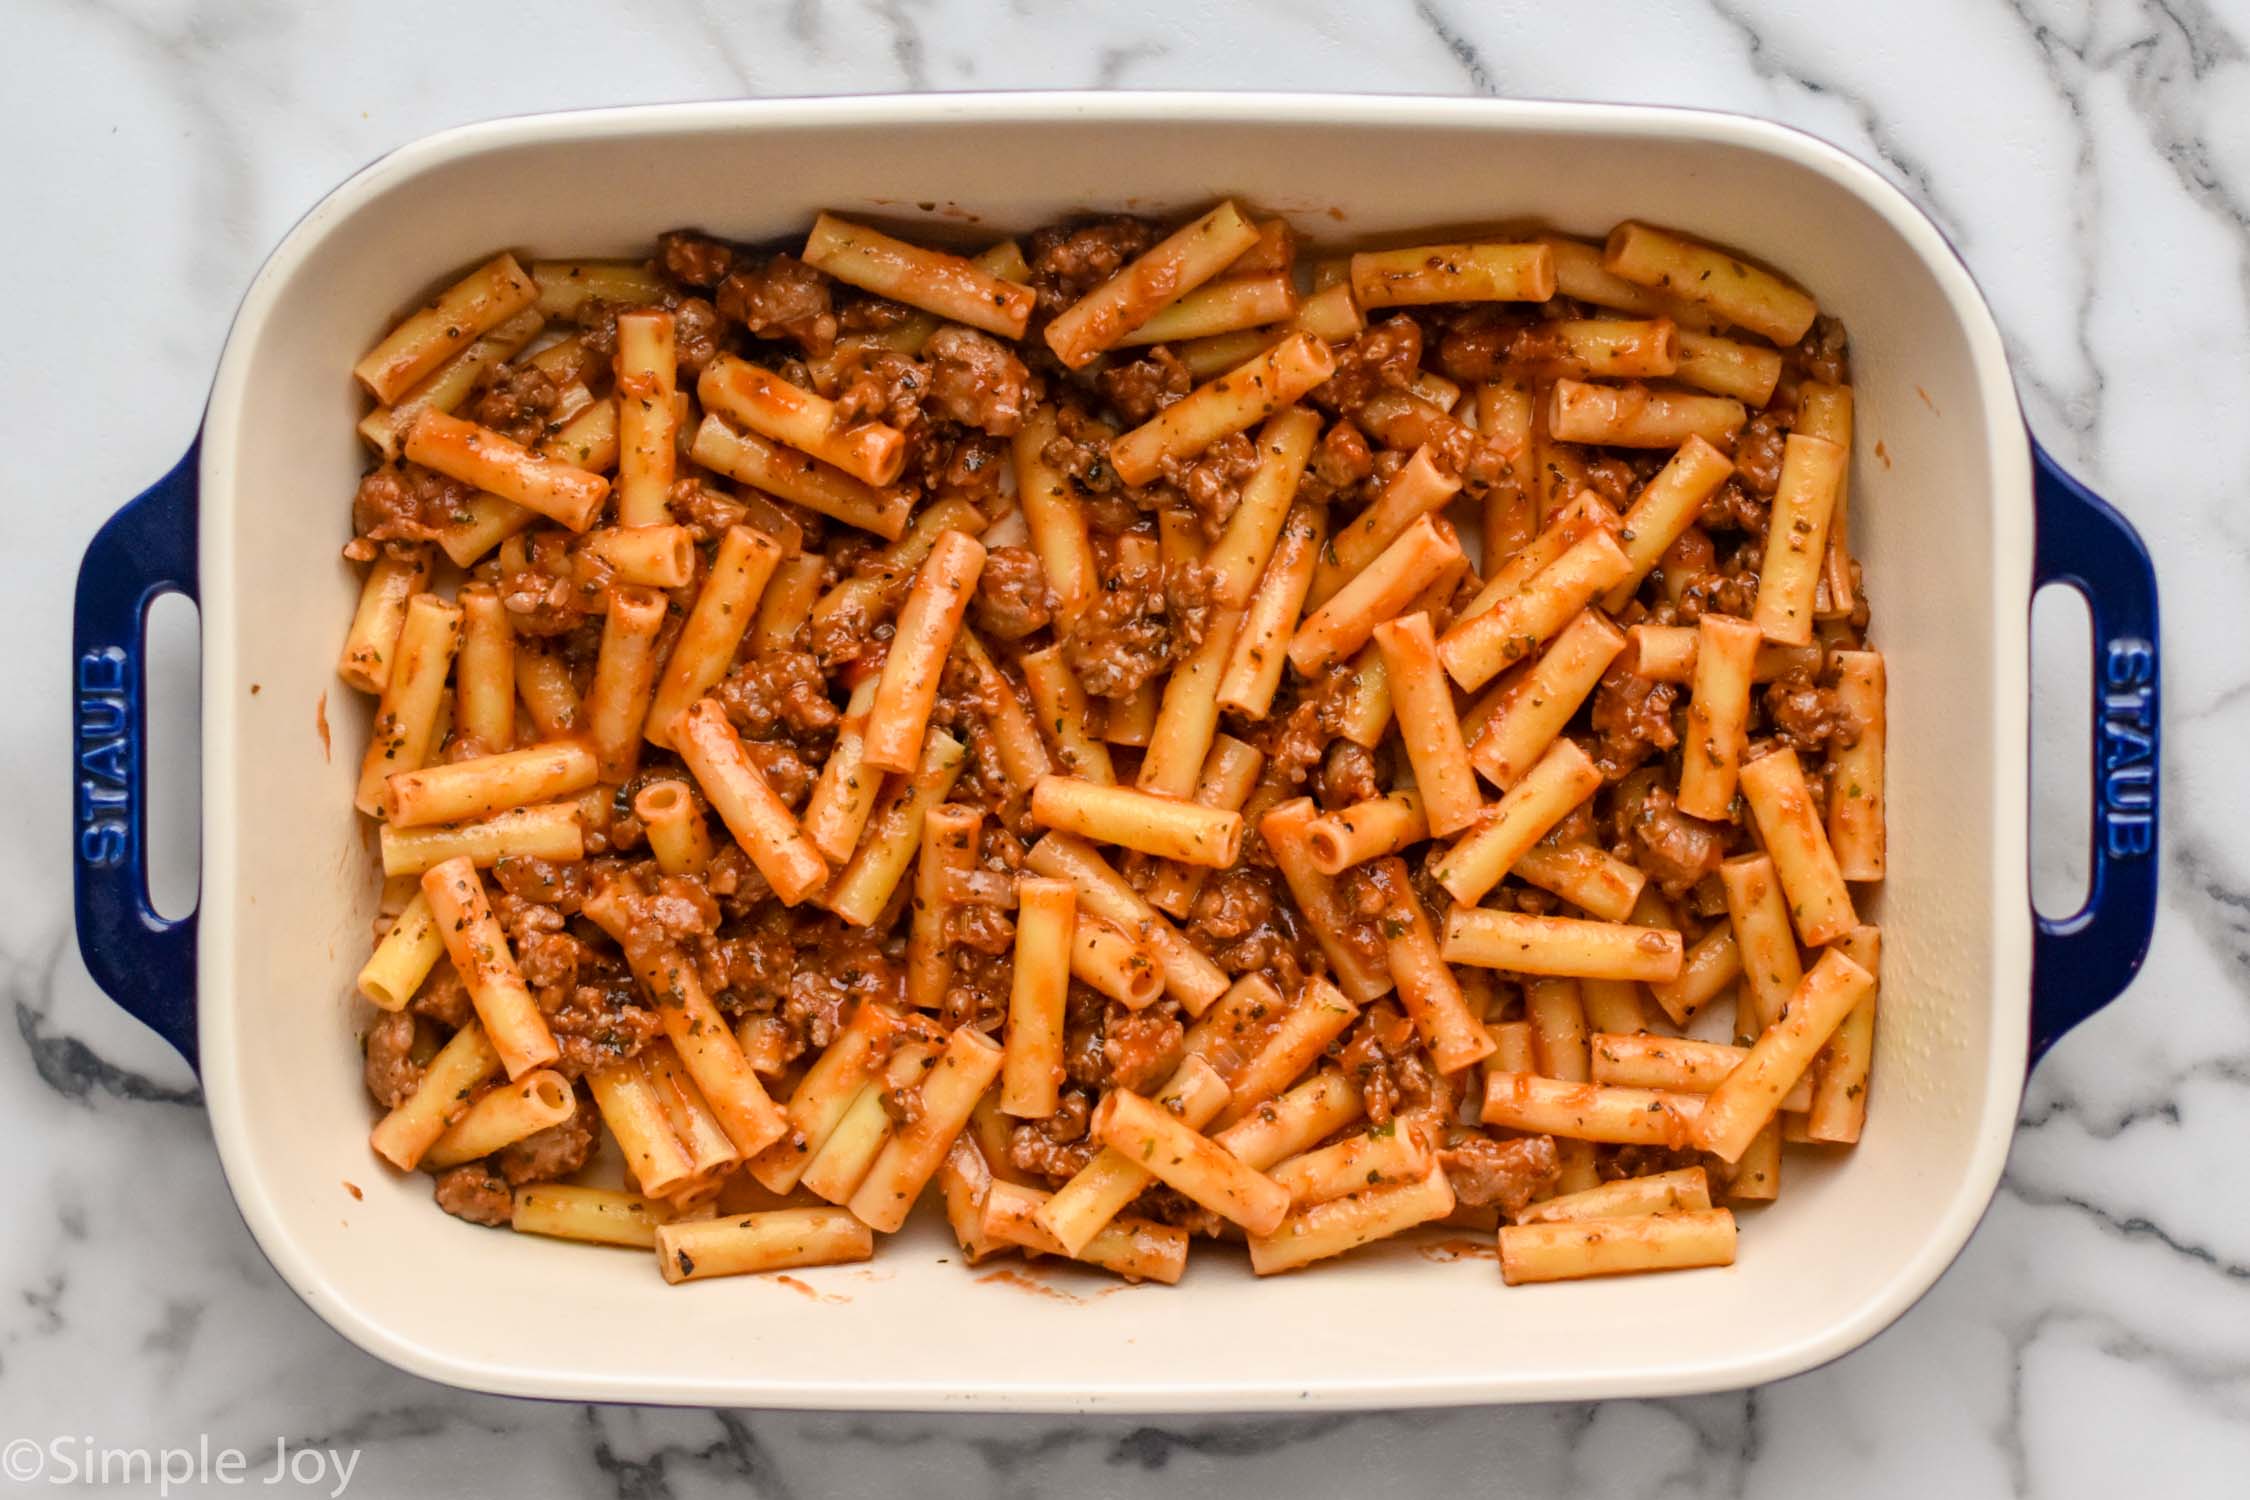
[
  {"x": 799, "y": 477},
  {"x": 1820, "y": 904},
  {"x": 484, "y": 673},
  {"x": 1746, "y": 1098},
  {"x": 1603, "y": 348},
  {"x": 1379, "y": 592},
  {"x": 391, "y": 582},
  {"x": 549, "y": 695},
  {"x": 1763, "y": 936},
  {"x": 932, "y": 280},
  {"x": 648, "y": 415},
  {"x": 1589, "y": 878},
  {"x": 1671, "y": 1241},
  {"x": 1287, "y": 832},
  {"x": 1239, "y": 399},
  {"x": 1738, "y": 292},
  {"x": 1276, "y": 1129},
  {"x": 1665, "y": 508},
  {"x": 1189, "y": 976},
  {"x": 1589, "y": 1111},
  {"x": 1187, "y": 715},
  {"x": 1382, "y": 1155},
  {"x": 1681, "y": 1065},
  {"x": 1261, "y": 641},
  {"x": 1105, "y": 1186},
  {"x": 777, "y": 1240},
  {"x": 566, "y": 286},
  {"x": 1189, "y": 1163},
  {"x": 404, "y": 958},
  {"x": 502, "y": 1116},
  {"x": 1031, "y": 1072},
  {"x": 760, "y": 822},
  {"x": 1217, "y": 307},
  {"x": 1419, "y": 487},
  {"x": 1453, "y": 273},
  {"x": 1855, "y": 785},
  {"x": 1476, "y": 649},
  {"x": 1318, "y": 1016},
  {"x": 1565, "y": 777},
  {"x": 1422, "y": 699},
  {"x": 1343, "y": 1224},
  {"x": 1055, "y": 517},
  {"x": 677, "y": 834},
  {"x": 1164, "y": 826},
  {"x": 1666, "y": 653},
  {"x": 1707, "y": 971},
  {"x": 855, "y": 1058},
  {"x": 448, "y": 1084},
  {"x": 1585, "y": 514},
  {"x": 740, "y": 569},
  {"x": 1718, "y": 717},
  {"x": 863, "y": 887},
  {"x": 844, "y": 796},
  {"x": 1238, "y": 559},
  {"x": 1837, "y": 1110},
  {"x": 479, "y": 950},
  {"x": 1183, "y": 261},
  {"x": 1229, "y": 775},
  {"x": 450, "y": 384},
  {"x": 1797, "y": 538},
  {"x": 708, "y": 1049},
  {"x": 964, "y": 1070},
  {"x": 1426, "y": 984},
  {"x": 1535, "y": 709},
  {"x": 1064, "y": 715},
  {"x": 1136, "y": 1249},
  {"x": 1725, "y": 367},
  {"x": 481, "y": 457},
  {"x": 1016, "y": 742},
  {"x": 1659, "y": 1192},
  {"x": 1581, "y": 276},
  {"x": 1366, "y": 830},
  {"x": 595, "y": 1216},
  {"x": 771, "y": 407},
  {"x": 1120, "y": 964},
  {"x": 1637, "y": 416},
  {"x": 1562, "y": 946},
  {"x": 428, "y": 337},
  {"x": 950, "y": 833},
  {"x": 465, "y": 789},
  {"x": 552, "y": 830},
  {"x": 406, "y": 718},
  {"x": 927, "y": 625},
  {"x": 841, "y": 1164}
]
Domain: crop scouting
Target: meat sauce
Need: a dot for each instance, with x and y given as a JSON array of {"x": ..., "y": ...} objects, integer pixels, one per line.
[{"x": 959, "y": 396}]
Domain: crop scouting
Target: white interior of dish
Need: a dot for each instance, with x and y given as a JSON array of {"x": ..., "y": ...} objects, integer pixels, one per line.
[{"x": 1941, "y": 519}]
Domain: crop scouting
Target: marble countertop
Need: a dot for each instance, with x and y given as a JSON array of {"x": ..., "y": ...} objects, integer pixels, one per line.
[{"x": 2091, "y": 159}]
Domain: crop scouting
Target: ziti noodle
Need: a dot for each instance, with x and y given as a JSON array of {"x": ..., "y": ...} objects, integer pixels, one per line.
[{"x": 1140, "y": 736}]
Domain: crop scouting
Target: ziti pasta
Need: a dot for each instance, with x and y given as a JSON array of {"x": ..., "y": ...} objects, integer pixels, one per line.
[{"x": 1126, "y": 739}]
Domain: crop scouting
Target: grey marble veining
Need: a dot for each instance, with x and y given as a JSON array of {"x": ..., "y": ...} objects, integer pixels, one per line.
[{"x": 2091, "y": 159}]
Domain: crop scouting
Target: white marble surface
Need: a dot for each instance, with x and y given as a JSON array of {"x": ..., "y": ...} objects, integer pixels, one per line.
[{"x": 2090, "y": 157}]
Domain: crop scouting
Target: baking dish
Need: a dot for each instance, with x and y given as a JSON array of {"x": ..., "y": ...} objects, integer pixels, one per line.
[{"x": 1963, "y": 519}]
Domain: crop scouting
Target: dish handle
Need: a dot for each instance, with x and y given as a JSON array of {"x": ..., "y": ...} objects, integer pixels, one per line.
[
  {"x": 2081, "y": 962},
  {"x": 143, "y": 960}
]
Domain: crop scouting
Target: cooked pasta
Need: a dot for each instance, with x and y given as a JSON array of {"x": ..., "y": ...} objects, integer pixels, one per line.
[{"x": 1123, "y": 732}]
